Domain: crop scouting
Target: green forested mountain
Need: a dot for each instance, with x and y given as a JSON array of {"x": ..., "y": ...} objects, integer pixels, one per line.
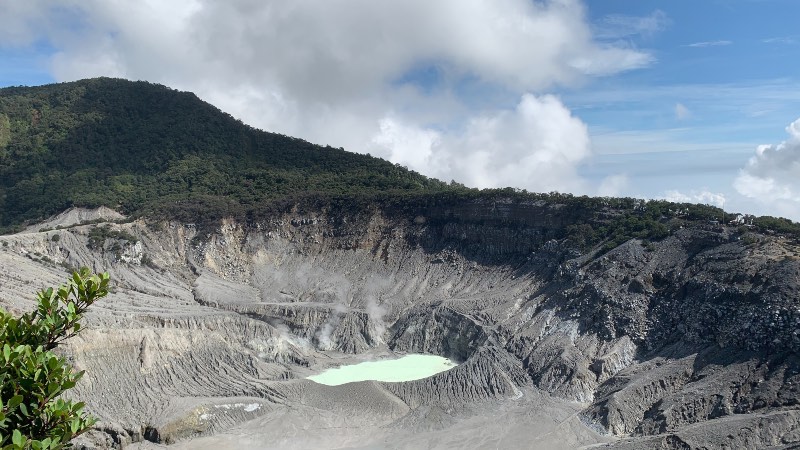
[
  {"x": 136, "y": 145},
  {"x": 143, "y": 148}
]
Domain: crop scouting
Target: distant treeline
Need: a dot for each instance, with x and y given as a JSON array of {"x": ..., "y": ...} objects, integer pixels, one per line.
[{"x": 147, "y": 150}]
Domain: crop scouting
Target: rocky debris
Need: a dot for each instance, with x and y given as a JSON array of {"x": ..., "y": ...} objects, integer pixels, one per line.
[
  {"x": 622, "y": 402},
  {"x": 669, "y": 392},
  {"x": 775, "y": 430},
  {"x": 76, "y": 216}
]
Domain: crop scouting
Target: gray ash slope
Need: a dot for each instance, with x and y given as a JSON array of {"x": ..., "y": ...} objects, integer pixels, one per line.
[{"x": 686, "y": 342}]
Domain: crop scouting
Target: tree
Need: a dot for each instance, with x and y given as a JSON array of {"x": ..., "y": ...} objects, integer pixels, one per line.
[{"x": 33, "y": 377}]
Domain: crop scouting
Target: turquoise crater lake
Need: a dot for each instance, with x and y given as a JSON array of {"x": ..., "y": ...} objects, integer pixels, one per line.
[{"x": 407, "y": 368}]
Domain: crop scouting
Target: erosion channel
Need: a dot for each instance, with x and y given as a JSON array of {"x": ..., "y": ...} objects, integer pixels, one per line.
[{"x": 211, "y": 333}]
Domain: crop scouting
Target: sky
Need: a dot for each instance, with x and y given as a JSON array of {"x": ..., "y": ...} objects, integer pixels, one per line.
[{"x": 687, "y": 100}]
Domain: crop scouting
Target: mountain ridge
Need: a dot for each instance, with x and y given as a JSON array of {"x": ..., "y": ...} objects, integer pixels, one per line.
[
  {"x": 127, "y": 145},
  {"x": 145, "y": 149}
]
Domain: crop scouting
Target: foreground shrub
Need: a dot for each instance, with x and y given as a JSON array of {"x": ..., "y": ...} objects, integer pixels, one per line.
[{"x": 32, "y": 377}]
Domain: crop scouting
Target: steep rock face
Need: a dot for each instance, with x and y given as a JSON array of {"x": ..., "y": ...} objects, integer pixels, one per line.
[
  {"x": 696, "y": 330},
  {"x": 700, "y": 286},
  {"x": 437, "y": 330}
]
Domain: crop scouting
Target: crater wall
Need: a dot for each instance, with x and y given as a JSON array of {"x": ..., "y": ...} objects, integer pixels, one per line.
[{"x": 212, "y": 329}]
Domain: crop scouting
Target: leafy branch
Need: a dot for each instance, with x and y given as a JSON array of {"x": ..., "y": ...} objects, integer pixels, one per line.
[{"x": 32, "y": 377}]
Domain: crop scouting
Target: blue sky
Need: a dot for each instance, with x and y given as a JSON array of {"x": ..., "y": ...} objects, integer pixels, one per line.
[
  {"x": 732, "y": 67},
  {"x": 656, "y": 99},
  {"x": 27, "y": 67}
]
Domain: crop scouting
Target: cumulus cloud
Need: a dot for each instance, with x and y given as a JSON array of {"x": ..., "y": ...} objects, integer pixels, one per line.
[
  {"x": 345, "y": 73},
  {"x": 772, "y": 175},
  {"x": 537, "y": 145},
  {"x": 613, "y": 185},
  {"x": 704, "y": 197}
]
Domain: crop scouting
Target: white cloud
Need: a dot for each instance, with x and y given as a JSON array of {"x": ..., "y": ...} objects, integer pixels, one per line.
[
  {"x": 14, "y": 29},
  {"x": 772, "y": 175},
  {"x": 704, "y": 197},
  {"x": 682, "y": 112},
  {"x": 618, "y": 26},
  {"x": 720, "y": 43},
  {"x": 617, "y": 57},
  {"x": 786, "y": 40},
  {"x": 613, "y": 186},
  {"x": 327, "y": 50},
  {"x": 408, "y": 145},
  {"x": 537, "y": 147}
]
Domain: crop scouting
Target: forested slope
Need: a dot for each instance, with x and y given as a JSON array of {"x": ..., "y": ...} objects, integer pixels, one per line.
[{"x": 131, "y": 145}]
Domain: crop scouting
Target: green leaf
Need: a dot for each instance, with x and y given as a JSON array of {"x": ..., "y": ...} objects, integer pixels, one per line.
[
  {"x": 24, "y": 409},
  {"x": 16, "y": 438},
  {"x": 75, "y": 425},
  {"x": 15, "y": 401}
]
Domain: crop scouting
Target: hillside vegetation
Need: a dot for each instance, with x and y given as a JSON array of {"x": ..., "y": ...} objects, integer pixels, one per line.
[
  {"x": 135, "y": 145},
  {"x": 145, "y": 149}
]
